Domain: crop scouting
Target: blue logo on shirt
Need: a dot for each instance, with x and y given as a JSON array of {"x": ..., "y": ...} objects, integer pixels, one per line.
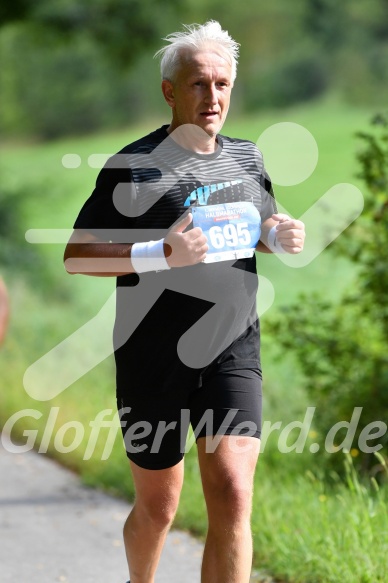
[{"x": 201, "y": 194}]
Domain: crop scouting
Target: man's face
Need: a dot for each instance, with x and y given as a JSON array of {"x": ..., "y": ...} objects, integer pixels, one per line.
[{"x": 200, "y": 93}]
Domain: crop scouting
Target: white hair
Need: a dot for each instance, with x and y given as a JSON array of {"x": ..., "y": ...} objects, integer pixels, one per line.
[{"x": 196, "y": 37}]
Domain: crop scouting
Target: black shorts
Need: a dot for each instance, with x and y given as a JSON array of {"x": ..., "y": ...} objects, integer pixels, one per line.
[{"x": 220, "y": 401}]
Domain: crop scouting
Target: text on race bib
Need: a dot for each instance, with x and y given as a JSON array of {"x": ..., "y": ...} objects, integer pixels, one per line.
[{"x": 232, "y": 229}]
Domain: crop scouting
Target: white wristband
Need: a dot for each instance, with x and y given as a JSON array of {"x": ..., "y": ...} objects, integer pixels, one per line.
[
  {"x": 273, "y": 243},
  {"x": 148, "y": 256}
]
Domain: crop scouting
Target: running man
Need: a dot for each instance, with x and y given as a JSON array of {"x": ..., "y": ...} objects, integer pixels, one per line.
[{"x": 177, "y": 216}]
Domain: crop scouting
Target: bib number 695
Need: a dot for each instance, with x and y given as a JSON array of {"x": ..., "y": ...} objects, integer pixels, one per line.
[{"x": 230, "y": 235}]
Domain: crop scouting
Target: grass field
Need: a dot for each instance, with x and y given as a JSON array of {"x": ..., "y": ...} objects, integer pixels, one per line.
[{"x": 304, "y": 529}]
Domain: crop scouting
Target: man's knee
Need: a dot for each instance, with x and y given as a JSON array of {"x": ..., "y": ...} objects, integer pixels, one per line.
[
  {"x": 229, "y": 493},
  {"x": 159, "y": 509},
  {"x": 157, "y": 495},
  {"x": 230, "y": 498}
]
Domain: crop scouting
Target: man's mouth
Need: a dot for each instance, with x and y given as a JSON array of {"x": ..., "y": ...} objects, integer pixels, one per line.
[{"x": 209, "y": 114}]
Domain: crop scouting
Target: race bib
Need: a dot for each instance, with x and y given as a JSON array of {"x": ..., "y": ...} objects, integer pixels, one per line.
[{"x": 232, "y": 229}]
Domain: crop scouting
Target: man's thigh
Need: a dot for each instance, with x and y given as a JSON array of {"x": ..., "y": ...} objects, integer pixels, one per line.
[
  {"x": 155, "y": 418},
  {"x": 229, "y": 450},
  {"x": 154, "y": 427}
]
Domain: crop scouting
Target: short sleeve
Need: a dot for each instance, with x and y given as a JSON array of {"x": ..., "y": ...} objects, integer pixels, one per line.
[{"x": 100, "y": 211}]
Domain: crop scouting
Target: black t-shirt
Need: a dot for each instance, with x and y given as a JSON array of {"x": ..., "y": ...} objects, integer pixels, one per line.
[{"x": 140, "y": 193}]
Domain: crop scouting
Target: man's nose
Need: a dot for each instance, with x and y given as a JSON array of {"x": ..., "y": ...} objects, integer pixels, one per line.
[{"x": 211, "y": 95}]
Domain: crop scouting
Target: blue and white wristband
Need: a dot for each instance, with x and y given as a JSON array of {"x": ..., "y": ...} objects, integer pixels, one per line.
[{"x": 148, "y": 256}]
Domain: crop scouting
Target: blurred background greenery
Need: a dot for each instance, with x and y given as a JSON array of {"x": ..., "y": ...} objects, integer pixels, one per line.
[
  {"x": 72, "y": 66},
  {"x": 79, "y": 77}
]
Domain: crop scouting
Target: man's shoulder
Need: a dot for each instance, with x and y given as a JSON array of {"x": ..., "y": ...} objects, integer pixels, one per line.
[
  {"x": 238, "y": 144},
  {"x": 146, "y": 143},
  {"x": 237, "y": 141},
  {"x": 241, "y": 149}
]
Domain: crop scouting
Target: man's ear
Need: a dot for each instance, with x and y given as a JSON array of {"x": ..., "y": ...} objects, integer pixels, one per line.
[{"x": 168, "y": 92}]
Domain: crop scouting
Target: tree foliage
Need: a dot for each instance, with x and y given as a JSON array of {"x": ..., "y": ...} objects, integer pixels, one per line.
[
  {"x": 66, "y": 65},
  {"x": 123, "y": 27},
  {"x": 290, "y": 52},
  {"x": 342, "y": 348}
]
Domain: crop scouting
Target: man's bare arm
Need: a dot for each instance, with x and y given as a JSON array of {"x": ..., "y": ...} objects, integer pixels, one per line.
[{"x": 86, "y": 254}]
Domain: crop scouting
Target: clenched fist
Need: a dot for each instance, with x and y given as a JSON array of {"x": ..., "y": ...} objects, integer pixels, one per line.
[
  {"x": 290, "y": 233},
  {"x": 182, "y": 249}
]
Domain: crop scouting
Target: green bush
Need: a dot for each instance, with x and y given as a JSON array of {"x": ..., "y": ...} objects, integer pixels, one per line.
[{"x": 341, "y": 347}]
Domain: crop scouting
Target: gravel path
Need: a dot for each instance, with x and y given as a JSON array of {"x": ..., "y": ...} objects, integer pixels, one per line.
[{"x": 53, "y": 529}]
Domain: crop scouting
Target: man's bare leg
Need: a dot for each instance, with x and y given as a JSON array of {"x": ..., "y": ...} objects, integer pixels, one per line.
[
  {"x": 227, "y": 478},
  {"x": 156, "y": 502}
]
